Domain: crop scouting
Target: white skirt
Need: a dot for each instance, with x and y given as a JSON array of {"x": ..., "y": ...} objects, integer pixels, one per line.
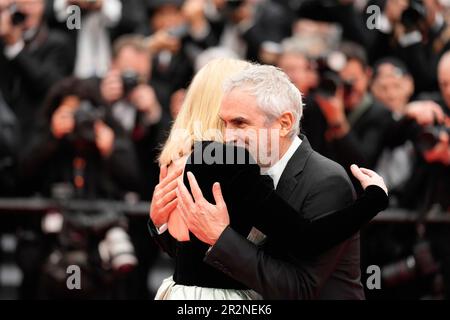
[{"x": 169, "y": 290}]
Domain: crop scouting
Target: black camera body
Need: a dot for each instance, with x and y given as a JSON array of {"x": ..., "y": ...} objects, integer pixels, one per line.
[
  {"x": 85, "y": 118},
  {"x": 414, "y": 15},
  {"x": 96, "y": 242},
  {"x": 428, "y": 137},
  {"x": 130, "y": 80},
  {"x": 233, "y": 4},
  {"x": 329, "y": 79}
]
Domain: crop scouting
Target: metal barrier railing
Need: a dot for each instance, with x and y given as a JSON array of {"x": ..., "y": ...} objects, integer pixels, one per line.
[{"x": 141, "y": 209}]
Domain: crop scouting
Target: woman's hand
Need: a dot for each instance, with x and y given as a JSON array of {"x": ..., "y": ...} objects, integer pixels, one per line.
[
  {"x": 368, "y": 177},
  {"x": 164, "y": 199}
]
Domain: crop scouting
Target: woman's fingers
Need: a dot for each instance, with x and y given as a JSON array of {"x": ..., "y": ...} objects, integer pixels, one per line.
[
  {"x": 368, "y": 177},
  {"x": 369, "y": 172},
  {"x": 170, "y": 177},
  {"x": 195, "y": 188},
  {"x": 356, "y": 171},
  {"x": 171, "y": 205},
  {"x": 184, "y": 196},
  {"x": 162, "y": 173},
  {"x": 169, "y": 197},
  {"x": 218, "y": 197},
  {"x": 170, "y": 187}
]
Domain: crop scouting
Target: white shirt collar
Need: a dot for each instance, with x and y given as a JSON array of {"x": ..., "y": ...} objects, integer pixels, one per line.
[{"x": 277, "y": 169}]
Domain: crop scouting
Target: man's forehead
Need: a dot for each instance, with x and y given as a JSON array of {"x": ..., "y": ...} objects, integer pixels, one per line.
[
  {"x": 238, "y": 100},
  {"x": 237, "y": 95}
]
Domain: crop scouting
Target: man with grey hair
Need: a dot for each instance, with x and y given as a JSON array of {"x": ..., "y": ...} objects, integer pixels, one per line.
[{"x": 261, "y": 99}]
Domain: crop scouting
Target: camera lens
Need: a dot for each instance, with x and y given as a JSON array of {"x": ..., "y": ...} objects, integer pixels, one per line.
[
  {"x": 130, "y": 80},
  {"x": 117, "y": 251}
]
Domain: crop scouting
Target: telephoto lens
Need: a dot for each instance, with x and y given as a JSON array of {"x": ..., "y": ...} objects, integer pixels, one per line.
[{"x": 117, "y": 251}]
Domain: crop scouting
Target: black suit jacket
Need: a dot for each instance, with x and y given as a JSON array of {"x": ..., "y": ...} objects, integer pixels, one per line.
[
  {"x": 26, "y": 79},
  {"x": 313, "y": 185}
]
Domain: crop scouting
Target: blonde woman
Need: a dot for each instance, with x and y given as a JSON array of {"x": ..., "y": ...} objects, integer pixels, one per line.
[{"x": 197, "y": 128}]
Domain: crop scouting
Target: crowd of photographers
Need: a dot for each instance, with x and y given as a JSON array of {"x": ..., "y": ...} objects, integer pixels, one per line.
[{"x": 88, "y": 90}]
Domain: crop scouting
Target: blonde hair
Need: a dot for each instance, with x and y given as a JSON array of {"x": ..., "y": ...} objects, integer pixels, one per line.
[{"x": 198, "y": 119}]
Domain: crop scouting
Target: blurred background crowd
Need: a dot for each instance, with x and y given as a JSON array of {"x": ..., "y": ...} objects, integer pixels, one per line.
[{"x": 85, "y": 103}]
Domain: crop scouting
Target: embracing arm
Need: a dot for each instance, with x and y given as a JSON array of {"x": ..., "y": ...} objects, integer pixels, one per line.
[
  {"x": 276, "y": 219},
  {"x": 164, "y": 240},
  {"x": 163, "y": 203}
]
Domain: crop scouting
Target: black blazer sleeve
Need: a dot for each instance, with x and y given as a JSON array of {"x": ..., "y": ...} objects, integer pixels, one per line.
[
  {"x": 278, "y": 220},
  {"x": 164, "y": 240}
]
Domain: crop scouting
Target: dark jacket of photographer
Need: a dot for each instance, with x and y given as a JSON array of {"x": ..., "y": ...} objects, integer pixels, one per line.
[
  {"x": 25, "y": 79},
  {"x": 430, "y": 183}
]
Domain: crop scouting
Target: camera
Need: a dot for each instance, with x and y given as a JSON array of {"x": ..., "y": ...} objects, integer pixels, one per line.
[
  {"x": 420, "y": 264},
  {"x": 179, "y": 32},
  {"x": 430, "y": 136},
  {"x": 85, "y": 118},
  {"x": 130, "y": 80},
  {"x": 233, "y": 4},
  {"x": 95, "y": 240},
  {"x": 17, "y": 16},
  {"x": 413, "y": 15},
  {"x": 329, "y": 80},
  {"x": 117, "y": 251}
]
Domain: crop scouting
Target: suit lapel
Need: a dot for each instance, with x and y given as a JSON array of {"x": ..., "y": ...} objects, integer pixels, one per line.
[{"x": 294, "y": 167}]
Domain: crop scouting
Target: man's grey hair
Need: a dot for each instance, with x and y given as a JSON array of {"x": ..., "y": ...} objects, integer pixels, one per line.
[{"x": 273, "y": 90}]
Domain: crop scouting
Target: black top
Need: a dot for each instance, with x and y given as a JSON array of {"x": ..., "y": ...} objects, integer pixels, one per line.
[{"x": 252, "y": 202}]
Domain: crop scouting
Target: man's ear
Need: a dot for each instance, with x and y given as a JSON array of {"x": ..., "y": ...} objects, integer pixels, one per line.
[{"x": 286, "y": 121}]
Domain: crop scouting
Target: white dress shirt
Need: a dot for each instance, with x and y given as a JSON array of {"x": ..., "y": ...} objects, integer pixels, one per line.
[{"x": 277, "y": 169}]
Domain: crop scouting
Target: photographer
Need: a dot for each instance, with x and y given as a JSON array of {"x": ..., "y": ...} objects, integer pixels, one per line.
[
  {"x": 348, "y": 123},
  {"x": 77, "y": 152},
  {"x": 134, "y": 104},
  {"x": 393, "y": 85},
  {"x": 32, "y": 58},
  {"x": 80, "y": 144},
  {"x": 425, "y": 192},
  {"x": 177, "y": 32},
  {"x": 412, "y": 31},
  {"x": 432, "y": 169},
  {"x": 252, "y": 29}
]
